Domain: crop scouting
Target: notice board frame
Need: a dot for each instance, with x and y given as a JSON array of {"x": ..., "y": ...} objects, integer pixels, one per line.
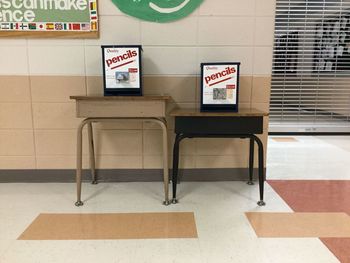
[{"x": 76, "y": 32}]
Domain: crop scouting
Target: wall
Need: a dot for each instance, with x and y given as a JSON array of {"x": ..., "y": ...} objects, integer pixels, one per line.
[{"x": 37, "y": 76}]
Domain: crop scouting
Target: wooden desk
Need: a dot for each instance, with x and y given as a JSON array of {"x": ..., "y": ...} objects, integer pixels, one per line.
[
  {"x": 191, "y": 123},
  {"x": 108, "y": 109}
]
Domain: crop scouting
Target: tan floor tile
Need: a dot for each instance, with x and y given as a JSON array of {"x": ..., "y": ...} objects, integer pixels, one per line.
[
  {"x": 111, "y": 226},
  {"x": 284, "y": 139},
  {"x": 300, "y": 224}
]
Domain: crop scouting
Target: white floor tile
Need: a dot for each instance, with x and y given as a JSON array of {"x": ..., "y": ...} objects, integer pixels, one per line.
[
  {"x": 297, "y": 250},
  {"x": 309, "y": 158},
  {"x": 225, "y": 234}
]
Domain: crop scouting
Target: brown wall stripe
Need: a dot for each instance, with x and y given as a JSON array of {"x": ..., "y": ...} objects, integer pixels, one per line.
[{"x": 123, "y": 175}]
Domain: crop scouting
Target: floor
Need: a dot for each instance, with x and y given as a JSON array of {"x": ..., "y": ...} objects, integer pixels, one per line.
[{"x": 224, "y": 232}]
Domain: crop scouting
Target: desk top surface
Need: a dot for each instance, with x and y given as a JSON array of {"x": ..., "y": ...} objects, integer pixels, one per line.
[
  {"x": 197, "y": 113},
  {"x": 120, "y": 98}
]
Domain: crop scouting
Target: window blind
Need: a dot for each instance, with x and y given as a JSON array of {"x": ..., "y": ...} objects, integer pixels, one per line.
[{"x": 311, "y": 67}]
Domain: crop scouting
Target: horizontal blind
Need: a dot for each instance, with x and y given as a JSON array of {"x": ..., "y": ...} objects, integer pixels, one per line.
[{"x": 311, "y": 64}]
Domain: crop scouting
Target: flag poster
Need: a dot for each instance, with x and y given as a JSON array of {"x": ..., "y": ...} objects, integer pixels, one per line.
[
  {"x": 220, "y": 85},
  {"x": 32, "y": 17},
  {"x": 122, "y": 70}
]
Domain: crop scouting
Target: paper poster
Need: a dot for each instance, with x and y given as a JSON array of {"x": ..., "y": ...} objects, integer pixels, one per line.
[
  {"x": 40, "y": 16},
  {"x": 122, "y": 67},
  {"x": 220, "y": 84}
]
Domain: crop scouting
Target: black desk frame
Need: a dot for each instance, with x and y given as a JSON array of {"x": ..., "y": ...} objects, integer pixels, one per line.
[{"x": 225, "y": 127}]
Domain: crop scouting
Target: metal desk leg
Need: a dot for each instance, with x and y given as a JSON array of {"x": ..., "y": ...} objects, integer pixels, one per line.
[
  {"x": 176, "y": 153},
  {"x": 79, "y": 160},
  {"x": 261, "y": 170},
  {"x": 92, "y": 153},
  {"x": 162, "y": 123},
  {"x": 251, "y": 161}
]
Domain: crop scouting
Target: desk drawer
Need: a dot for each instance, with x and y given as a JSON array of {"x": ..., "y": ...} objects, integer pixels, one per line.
[
  {"x": 219, "y": 125},
  {"x": 132, "y": 108}
]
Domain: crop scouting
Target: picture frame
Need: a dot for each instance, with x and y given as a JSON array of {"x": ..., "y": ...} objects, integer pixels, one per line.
[
  {"x": 53, "y": 19},
  {"x": 220, "y": 86},
  {"x": 122, "y": 70}
]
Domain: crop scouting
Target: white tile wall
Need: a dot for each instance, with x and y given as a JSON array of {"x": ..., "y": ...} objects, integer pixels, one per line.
[
  {"x": 265, "y": 7},
  {"x": 228, "y": 8},
  {"x": 117, "y": 30},
  {"x": 226, "y": 31},
  {"x": 179, "y": 33},
  {"x": 13, "y": 42},
  {"x": 14, "y": 60},
  {"x": 107, "y": 8},
  {"x": 262, "y": 61},
  {"x": 56, "y": 60},
  {"x": 170, "y": 61},
  {"x": 226, "y": 26},
  {"x": 93, "y": 61},
  {"x": 239, "y": 54},
  {"x": 262, "y": 36}
]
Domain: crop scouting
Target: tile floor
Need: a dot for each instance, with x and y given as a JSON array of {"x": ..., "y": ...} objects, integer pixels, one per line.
[{"x": 224, "y": 232}]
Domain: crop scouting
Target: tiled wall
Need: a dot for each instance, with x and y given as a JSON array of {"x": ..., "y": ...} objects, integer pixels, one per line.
[{"x": 37, "y": 76}]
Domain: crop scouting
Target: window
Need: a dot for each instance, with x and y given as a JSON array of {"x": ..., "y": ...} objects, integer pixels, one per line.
[{"x": 311, "y": 67}]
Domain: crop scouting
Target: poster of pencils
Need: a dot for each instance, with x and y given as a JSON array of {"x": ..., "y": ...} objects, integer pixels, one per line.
[
  {"x": 220, "y": 83},
  {"x": 122, "y": 70}
]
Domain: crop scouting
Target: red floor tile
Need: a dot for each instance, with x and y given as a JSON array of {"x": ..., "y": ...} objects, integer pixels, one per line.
[
  {"x": 319, "y": 196},
  {"x": 314, "y": 196},
  {"x": 340, "y": 248}
]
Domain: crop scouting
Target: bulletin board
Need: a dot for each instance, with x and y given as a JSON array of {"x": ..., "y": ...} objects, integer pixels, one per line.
[{"x": 49, "y": 18}]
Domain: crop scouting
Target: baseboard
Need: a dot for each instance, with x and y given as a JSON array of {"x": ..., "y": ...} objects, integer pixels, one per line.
[{"x": 124, "y": 175}]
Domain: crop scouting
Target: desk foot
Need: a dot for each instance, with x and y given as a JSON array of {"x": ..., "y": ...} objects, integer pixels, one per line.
[
  {"x": 250, "y": 183},
  {"x": 166, "y": 203},
  {"x": 261, "y": 203},
  {"x": 94, "y": 182},
  {"x": 79, "y": 203},
  {"x": 174, "y": 201}
]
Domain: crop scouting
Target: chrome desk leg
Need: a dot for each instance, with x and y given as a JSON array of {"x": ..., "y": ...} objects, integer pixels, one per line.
[
  {"x": 163, "y": 125},
  {"x": 79, "y": 160},
  {"x": 92, "y": 153}
]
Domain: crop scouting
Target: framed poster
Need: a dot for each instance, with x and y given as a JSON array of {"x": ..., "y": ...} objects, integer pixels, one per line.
[
  {"x": 122, "y": 70},
  {"x": 220, "y": 86},
  {"x": 43, "y": 18}
]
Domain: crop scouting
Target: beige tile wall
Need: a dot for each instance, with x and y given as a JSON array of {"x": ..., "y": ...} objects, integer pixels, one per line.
[
  {"x": 38, "y": 134},
  {"x": 37, "y": 76}
]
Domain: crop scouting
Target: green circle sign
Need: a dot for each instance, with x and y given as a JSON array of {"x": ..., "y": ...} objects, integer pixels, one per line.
[{"x": 158, "y": 10}]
